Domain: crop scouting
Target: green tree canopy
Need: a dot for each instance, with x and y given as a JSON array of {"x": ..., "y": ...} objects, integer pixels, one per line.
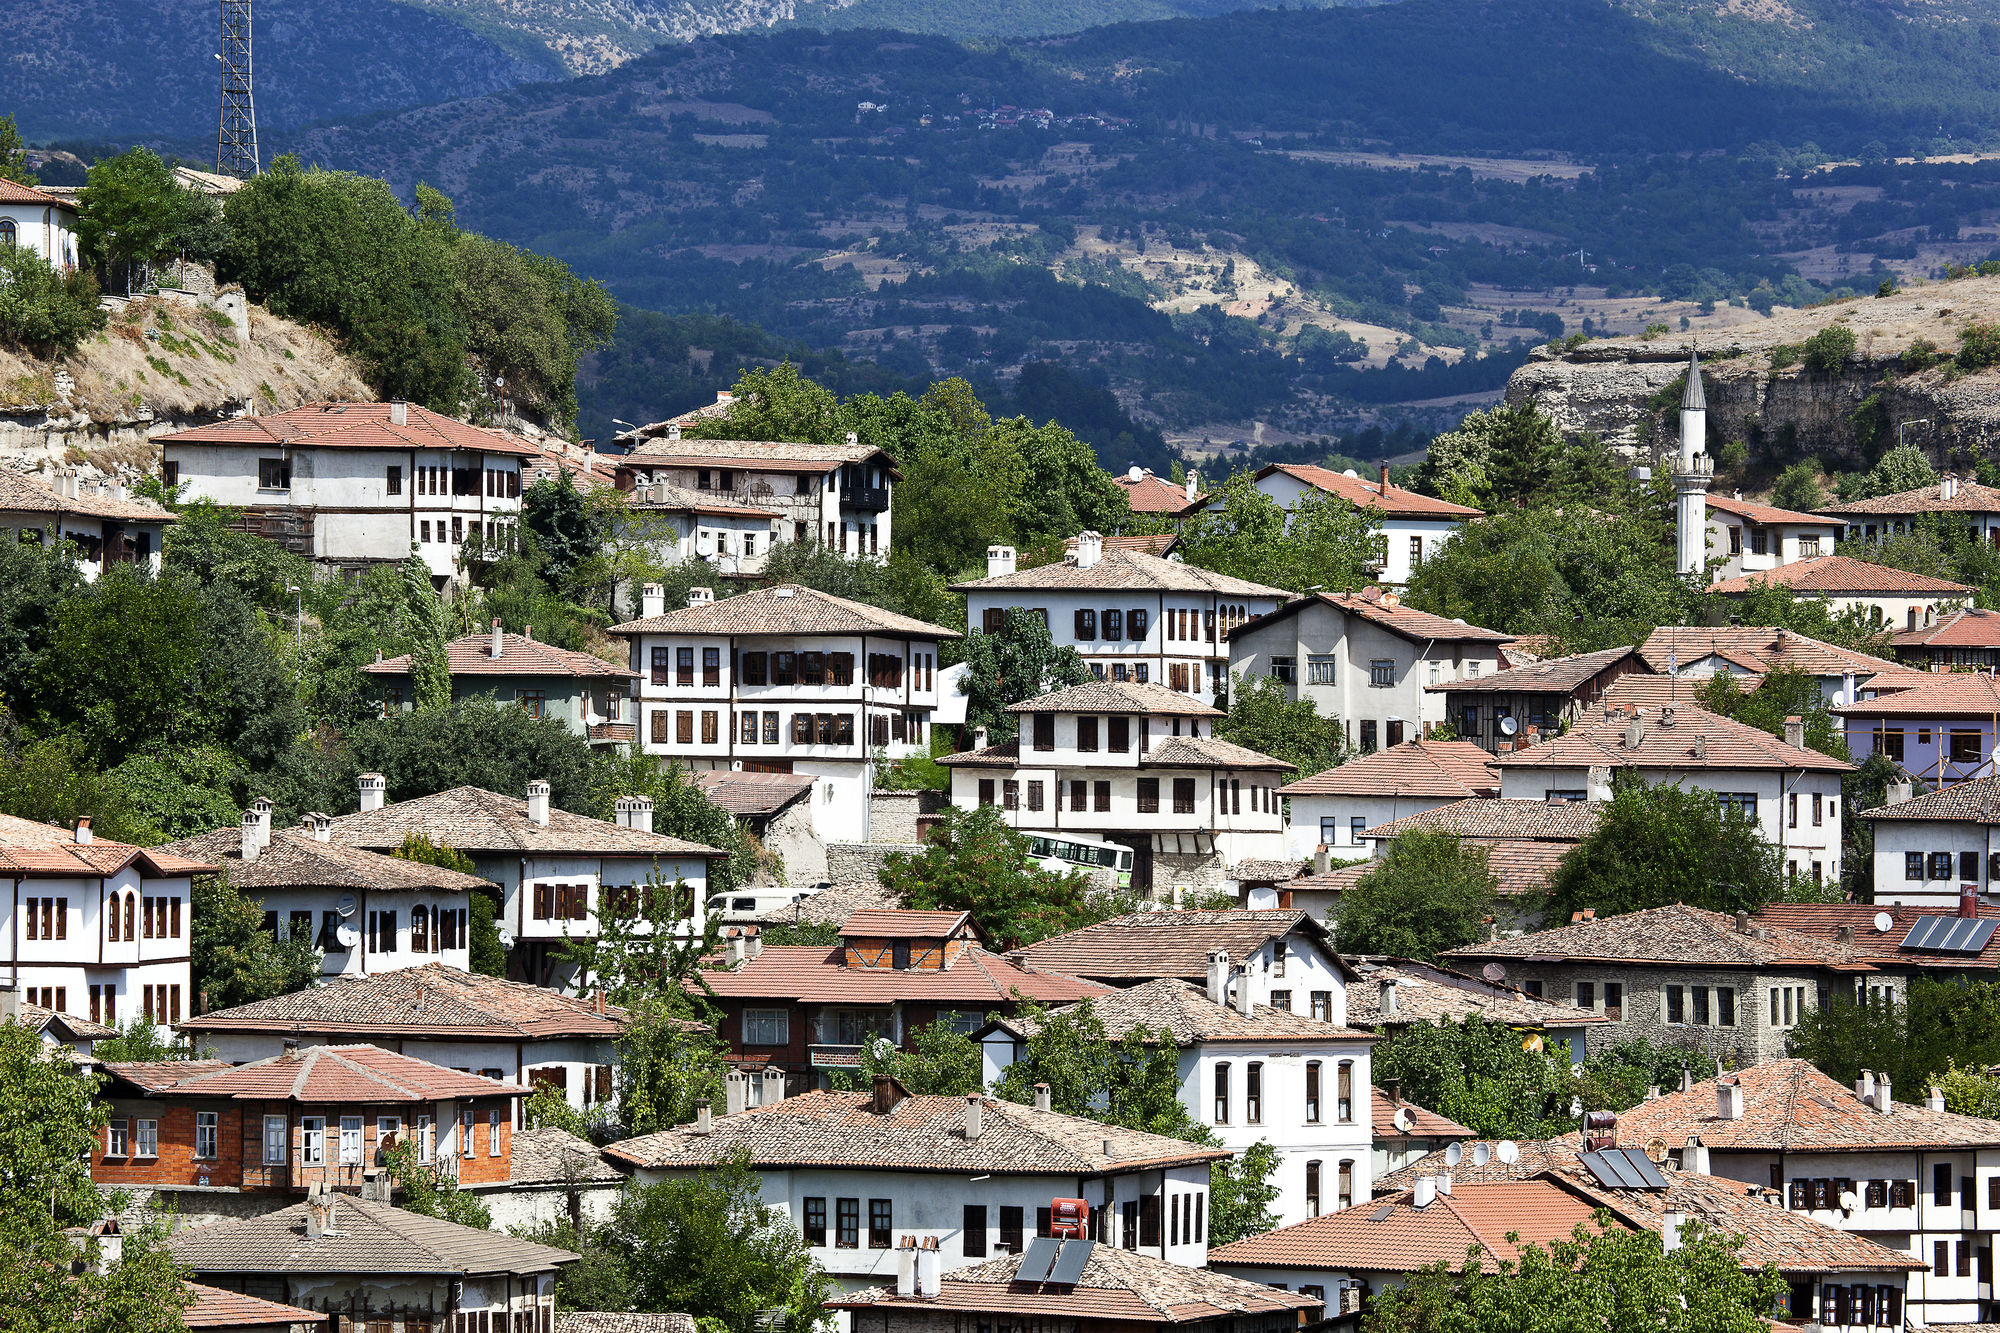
[
  {"x": 1663, "y": 844},
  {"x": 1484, "y": 1075},
  {"x": 1020, "y": 663},
  {"x": 475, "y": 744},
  {"x": 1323, "y": 541},
  {"x": 1263, "y": 717},
  {"x": 1431, "y": 892},
  {"x": 48, "y": 311},
  {"x": 234, "y": 960},
  {"x": 1915, "y": 1041},
  {"x": 974, "y": 863},
  {"x": 14, "y": 155}
]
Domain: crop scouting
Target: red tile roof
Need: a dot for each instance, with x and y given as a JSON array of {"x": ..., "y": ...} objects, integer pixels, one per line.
[
  {"x": 1425, "y": 1124},
  {"x": 215, "y": 1308},
  {"x": 1757, "y": 649},
  {"x": 905, "y": 923},
  {"x": 1763, "y": 513},
  {"x": 1692, "y": 738},
  {"x": 1789, "y": 1106},
  {"x": 22, "y": 493},
  {"x": 1184, "y": 1012},
  {"x": 1152, "y": 494},
  {"x": 1385, "y": 609},
  {"x": 1501, "y": 819},
  {"x": 1390, "y": 499},
  {"x": 29, "y": 848},
  {"x": 1842, "y": 574},
  {"x": 313, "y": 1074},
  {"x": 520, "y": 655},
  {"x": 351, "y": 426},
  {"x": 1146, "y": 543},
  {"x": 813, "y": 974},
  {"x": 1553, "y": 675},
  {"x": 758, "y": 794},
  {"x": 785, "y": 608},
  {"x": 1145, "y": 945},
  {"x": 1122, "y": 568},
  {"x": 1973, "y": 627},
  {"x": 1636, "y": 690},
  {"x": 1431, "y": 993},
  {"x": 431, "y": 1001},
  {"x": 1449, "y": 769},
  {"x": 13, "y": 192},
  {"x": 1970, "y": 498},
  {"x": 1945, "y": 694}
]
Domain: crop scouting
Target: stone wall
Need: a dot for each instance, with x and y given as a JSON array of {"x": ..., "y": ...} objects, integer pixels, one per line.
[{"x": 847, "y": 861}]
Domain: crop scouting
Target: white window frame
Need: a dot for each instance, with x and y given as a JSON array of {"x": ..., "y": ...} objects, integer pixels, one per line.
[
  {"x": 206, "y": 1134},
  {"x": 118, "y": 1138},
  {"x": 350, "y": 1140},
  {"x": 493, "y": 1133},
  {"x": 426, "y": 1139},
  {"x": 764, "y": 1021},
  {"x": 146, "y": 1138},
  {"x": 277, "y": 1139},
  {"x": 312, "y": 1141}
]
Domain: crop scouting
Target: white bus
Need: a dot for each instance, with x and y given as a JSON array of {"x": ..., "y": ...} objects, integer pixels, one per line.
[{"x": 1076, "y": 849}]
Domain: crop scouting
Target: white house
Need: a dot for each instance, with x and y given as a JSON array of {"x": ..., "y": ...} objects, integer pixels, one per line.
[
  {"x": 1414, "y": 526},
  {"x": 554, "y": 868},
  {"x": 99, "y": 524},
  {"x": 1935, "y": 850},
  {"x": 858, "y": 1173},
  {"x": 1890, "y": 598},
  {"x": 1366, "y": 659},
  {"x": 366, "y": 913},
  {"x": 837, "y": 495},
  {"x": 1791, "y": 792},
  {"x": 1941, "y": 731},
  {"x": 787, "y": 679},
  {"x": 1252, "y": 1073},
  {"x": 1746, "y": 536},
  {"x": 1332, "y": 807},
  {"x": 1135, "y": 765},
  {"x": 36, "y": 220},
  {"x": 1291, "y": 954},
  {"x": 1132, "y": 616},
  {"x": 357, "y": 484},
  {"x": 94, "y": 928},
  {"x": 1878, "y": 519},
  {"x": 693, "y": 525}
]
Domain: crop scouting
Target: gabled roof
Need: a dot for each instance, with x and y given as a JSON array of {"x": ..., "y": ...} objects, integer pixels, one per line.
[
  {"x": 604, "y": 1321},
  {"x": 1945, "y": 694},
  {"x": 13, "y": 192},
  {"x": 1146, "y": 543},
  {"x": 1425, "y": 1124},
  {"x": 1115, "y": 1288},
  {"x": 520, "y": 655},
  {"x": 1521, "y": 865},
  {"x": 21, "y": 493},
  {"x": 1838, "y": 574},
  {"x": 545, "y": 1155},
  {"x": 368, "y": 1238},
  {"x": 31, "y": 849},
  {"x": 1971, "y": 497},
  {"x": 1207, "y": 752},
  {"x": 350, "y": 426},
  {"x": 1185, "y": 1013},
  {"x": 1882, "y": 945},
  {"x": 785, "y": 608},
  {"x": 1451, "y": 770},
  {"x": 1533, "y": 1157},
  {"x": 69, "y": 1027},
  {"x": 428, "y": 1002},
  {"x": 1971, "y": 627},
  {"x": 1388, "y": 499},
  {"x": 1768, "y": 514},
  {"x": 1152, "y": 494},
  {"x": 312, "y": 1074},
  {"x": 1501, "y": 818},
  {"x": 1790, "y": 1106},
  {"x": 1757, "y": 649},
  {"x": 907, "y": 924},
  {"x": 1144, "y": 945},
  {"x": 1554, "y": 675},
  {"x": 1385, "y": 610},
  {"x": 1007, "y": 754},
  {"x": 1432, "y": 992},
  {"x": 756, "y": 455},
  {"x": 1690, "y": 738},
  {"x": 814, "y": 974},
  {"x": 475, "y": 821},
  {"x": 1976, "y": 800},
  {"x": 215, "y": 1308},
  {"x": 756, "y": 794},
  {"x": 927, "y": 1134},
  {"x": 1676, "y": 935},
  {"x": 295, "y": 859},
  {"x": 1637, "y": 690},
  {"x": 1122, "y": 570},
  {"x": 1114, "y": 696}
]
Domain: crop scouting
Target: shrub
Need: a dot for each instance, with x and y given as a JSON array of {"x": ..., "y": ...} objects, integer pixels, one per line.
[
  {"x": 1829, "y": 349},
  {"x": 1979, "y": 346},
  {"x": 1783, "y": 355},
  {"x": 1921, "y": 354},
  {"x": 47, "y": 312}
]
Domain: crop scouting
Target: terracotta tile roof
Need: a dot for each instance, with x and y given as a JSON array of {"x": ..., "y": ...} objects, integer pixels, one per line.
[
  {"x": 1637, "y": 690},
  {"x": 1763, "y": 513},
  {"x": 832, "y": 905},
  {"x": 475, "y": 820},
  {"x": 1450, "y": 769},
  {"x": 295, "y": 859},
  {"x": 23, "y": 494},
  {"x": 372, "y": 1238},
  {"x": 1147, "y": 543},
  {"x": 1521, "y": 865},
  {"x": 1694, "y": 738},
  {"x": 519, "y": 656},
  {"x": 1971, "y": 498},
  {"x": 1391, "y": 500},
  {"x": 594, "y": 1321},
  {"x": 1976, "y": 800},
  {"x": 1882, "y": 947},
  {"x": 1184, "y": 1011},
  {"x": 1972, "y": 627},
  {"x": 545, "y": 1155},
  {"x": 1789, "y": 1106},
  {"x": 1121, "y": 570},
  {"x": 1554, "y": 675},
  {"x": 754, "y": 455},
  {"x": 906, "y": 923},
  {"x": 1112, "y": 696},
  {"x": 1146, "y": 945},
  {"x": 1533, "y": 1158},
  {"x": 13, "y": 192},
  {"x": 429, "y": 1001},
  {"x": 1426, "y": 1124},
  {"x": 28, "y": 848},
  {"x": 1758, "y": 648},
  {"x": 1841, "y": 574},
  {"x": 1948, "y": 694},
  {"x": 1430, "y": 993},
  {"x": 1498, "y": 818},
  {"x": 785, "y": 608},
  {"x": 757, "y": 794},
  {"x": 314, "y": 1074},
  {"x": 215, "y": 1308},
  {"x": 841, "y": 1129},
  {"x": 815, "y": 975},
  {"x": 351, "y": 426},
  {"x": 1258, "y": 870},
  {"x": 1207, "y": 752},
  {"x": 1117, "y": 1285},
  {"x": 1386, "y": 610},
  {"x": 663, "y": 498},
  {"x": 1473, "y": 1216},
  {"x": 157, "y": 1075},
  {"x": 1676, "y": 935},
  {"x": 1152, "y": 494},
  {"x": 1007, "y": 754}
]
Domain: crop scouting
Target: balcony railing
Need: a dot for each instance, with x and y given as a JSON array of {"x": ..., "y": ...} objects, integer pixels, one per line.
[{"x": 874, "y": 498}]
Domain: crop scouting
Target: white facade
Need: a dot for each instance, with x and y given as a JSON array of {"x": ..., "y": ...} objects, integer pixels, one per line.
[
  {"x": 39, "y": 222},
  {"x": 1747, "y": 538},
  {"x": 1405, "y": 540},
  {"x": 1933, "y": 863},
  {"x": 1336, "y": 822},
  {"x": 680, "y": 527}
]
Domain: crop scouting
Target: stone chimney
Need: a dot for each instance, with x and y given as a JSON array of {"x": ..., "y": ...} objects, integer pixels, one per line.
[
  {"x": 736, "y": 949},
  {"x": 320, "y": 1211},
  {"x": 538, "y": 802},
  {"x": 735, "y": 1092},
  {"x": 999, "y": 560},
  {"x": 1864, "y": 1086},
  {"x": 84, "y": 837},
  {"x": 319, "y": 826},
  {"x": 1885, "y": 1093},
  {"x": 1042, "y": 1099},
  {"x": 1635, "y": 732},
  {"x": 1795, "y": 732},
  {"x": 652, "y": 601},
  {"x": 1323, "y": 860},
  {"x": 10, "y": 1004},
  {"x": 374, "y": 792},
  {"x": 774, "y": 1087},
  {"x": 1895, "y": 793},
  {"x": 499, "y": 641},
  {"x": 1218, "y": 976},
  {"x": 979, "y": 735},
  {"x": 1728, "y": 1099},
  {"x": 704, "y": 1122},
  {"x": 1934, "y": 1099},
  {"x": 1089, "y": 549},
  {"x": 975, "y": 1116},
  {"x": 753, "y": 943},
  {"x": 884, "y": 1095},
  {"x": 399, "y": 414},
  {"x": 1742, "y": 922},
  {"x": 1382, "y": 479},
  {"x": 1387, "y": 1004},
  {"x": 256, "y": 829},
  {"x": 635, "y": 812},
  {"x": 1597, "y": 784}
]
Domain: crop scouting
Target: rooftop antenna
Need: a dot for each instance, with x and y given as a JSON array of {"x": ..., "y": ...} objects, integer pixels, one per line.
[{"x": 236, "y": 135}]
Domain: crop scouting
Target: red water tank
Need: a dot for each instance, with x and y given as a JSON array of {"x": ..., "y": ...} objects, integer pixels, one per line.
[{"x": 1068, "y": 1218}]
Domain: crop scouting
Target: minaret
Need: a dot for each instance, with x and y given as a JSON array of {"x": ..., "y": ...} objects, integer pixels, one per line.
[{"x": 1693, "y": 471}]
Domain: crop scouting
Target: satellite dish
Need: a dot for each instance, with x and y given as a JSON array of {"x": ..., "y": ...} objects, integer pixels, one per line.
[
  {"x": 346, "y": 936},
  {"x": 704, "y": 545},
  {"x": 1493, "y": 972},
  {"x": 347, "y": 906},
  {"x": 1135, "y": 473},
  {"x": 1351, "y": 473},
  {"x": 1849, "y": 1201},
  {"x": 1656, "y": 1150},
  {"x": 1454, "y": 1153},
  {"x": 1508, "y": 726},
  {"x": 1883, "y": 921},
  {"x": 506, "y": 938},
  {"x": 1406, "y": 1119},
  {"x": 1482, "y": 1153},
  {"x": 1507, "y": 1151}
]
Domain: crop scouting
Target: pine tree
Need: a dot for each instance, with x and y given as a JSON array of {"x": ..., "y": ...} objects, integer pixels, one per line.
[{"x": 1525, "y": 452}]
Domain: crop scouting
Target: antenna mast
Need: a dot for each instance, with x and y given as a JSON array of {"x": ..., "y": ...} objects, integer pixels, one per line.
[{"x": 236, "y": 139}]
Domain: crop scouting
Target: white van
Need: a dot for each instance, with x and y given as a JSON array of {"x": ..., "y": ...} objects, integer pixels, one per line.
[{"x": 749, "y": 904}]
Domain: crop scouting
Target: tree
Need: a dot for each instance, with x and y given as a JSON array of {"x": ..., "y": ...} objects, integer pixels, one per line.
[
  {"x": 1019, "y": 663},
  {"x": 1431, "y": 892},
  {"x": 681, "y": 809},
  {"x": 669, "y": 1058},
  {"x": 1784, "y": 692},
  {"x": 1324, "y": 541},
  {"x": 640, "y": 947},
  {"x": 706, "y": 1245},
  {"x": 1938, "y": 1025},
  {"x": 554, "y": 514},
  {"x": 46, "y": 310},
  {"x": 1903, "y": 468},
  {"x": 234, "y": 960},
  {"x": 488, "y": 956},
  {"x": 974, "y": 863},
  {"x": 1603, "y": 1279},
  {"x": 14, "y": 155},
  {"x": 1263, "y": 717},
  {"x": 130, "y": 212},
  {"x": 50, "y": 1121},
  {"x": 1240, "y": 1194},
  {"x": 1482, "y": 1075},
  {"x": 430, "y": 633},
  {"x": 939, "y": 1062},
  {"x": 1667, "y": 844},
  {"x": 1523, "y": 452},
  {"x": 600, "y": 1279},
  {"x": 52, "y": 781},
  {"x": 1132, "y": 1082},
  {"x": 1798, "y": 488},
  {"x": 475, "y": 744},
  {"x": 49, "y": 1282},
  {"x": 432, "y": 1192},
  {"x": 140, "y": 1039}
]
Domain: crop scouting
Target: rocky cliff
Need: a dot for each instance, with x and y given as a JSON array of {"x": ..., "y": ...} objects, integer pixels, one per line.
[{"x": 1762, "y": 393}]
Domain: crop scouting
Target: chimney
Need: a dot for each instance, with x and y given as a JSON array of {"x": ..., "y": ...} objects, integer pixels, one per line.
[
  {"x": 999, "y": 560},
  {"x": 399, "y": 414},
  {"x": 674, "y": 430},
  {"x": 1687, "y": 1078},
  {"x": 1694, "y": 1157},
  {"x": 10, "y": 1004},
  {"x": 374, "y": 792},
  {"x": 1885, "y": 1094},
  {"x": 753, "y": 943},
  {"x": 930, "y": 1267},
  {"x": 1089, "y": 549},
  {"x": 1670, "y": 1230},
  {"x": 1742, "y": 922},
  {"x": 652, "y": 601},
  {"x": 1193, "y": 485},
  {"x": 979, "y": 738},
  {"x": 1245, "y": 1004},
  {"x": 1864, "y": 1086},
  {"x": 700, "y": 596},
  {"x": 320, "y": 826},
  {"x": 499, "y": 640},
  {"x": 1795, "y": 732},
  {"x": 1895, "y": 793},
  {"x": 975, "y": 1116},
  {"x": 906, "y": 1266},
  {"x": 538, "y": 802},
  {"x": 853, "y": 440},
  {"x": 737, "y": 949},
  {"x": 1387, "y": 1005},
  {"x": 1218, "y": 976},
  {"x": 1323, "y": 860},
  {"x": 1383, "y": 479},
  {"x": 1041, "y": 1096},
  {"x": 319, "y": 1210},
  {"x": 1635, "y": 731},
  {"x": 704, "y": 1123},
  {"x": 1597, "y": 785},
  {"x": 884, "y": 1095},
  {"x": 635, "y": 812},
  {"x": 1843, "y": 934},
  {"x": 774, "y": 1087},
  {"x": 83, "y": 834},
  {"x": 1110, "y": 1151},
  {"x": 1425, "y": 1193},
  {"x": 735, "y": 1092},
  {"x": 256, "y": 829},
  {"x": 1444, "y": 1184},
  {"x": 1968, "y": 905},
  {"x": 291, "y": 1045},
  {"x": 1728, "y": 1099},
  {"x": 1934, "y": 1099},
  {"x": 1948, "y": 487}
]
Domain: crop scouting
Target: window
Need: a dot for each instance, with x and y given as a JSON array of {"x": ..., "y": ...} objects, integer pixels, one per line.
[
  {"x": 1368, "y": 732},
  {"x": 1312, "y": 1087},
  {"x": 770, "y": 728},
  {"x": 1118, "y": 734},
  {"x": 1284, "y": 667},
  {"x": 1086, "y": 624},
  {"x": 1382, "y": 672},
  {"x": 276, "y": 1132},
  {"x": 1253, "y": 1093},
  {"x": 1725, "y": 1006},
  {"x": 146, "y": 1142},
  {"x": 1586, "y": 995},
  {"x": 1035, "y": 796},
  {"x": 814, "y": 1227},
  {"x": 766, "y": 1027},
  {"x": 1676, "y": 1004},
  {"x": 847, "y": 1224},
  {"x": 1699, "y": 997},
  {"x": 350, "y": 1139},
  {"x": 205, "y": 1135},
  {"x": 1346, "y": 1195},
  {"x": 1809, "y": 547},
  {"x": 1044, "y": 728},
  {"x": 1011, "y": 1221},
  {"x": 117, "y": 1138},
  {"x": 1222, "y": 1094},
  {"x": 466, "y": 1135},
  {"x": 1322, "y": 1006},
  {"x": 274, "y": 474},
  {"x": 1344, "y": 1093},
  {"x": 1183, "y": 796},
  {"x": 312, "y": 1141},
  {"x": 879, "y": 1224},
  {"x": 1889, "y": 742},
  {"x": 1010, "y": 794},
  {"x": 1101, "y": 795},
  {"x": 1741, "y": 802},
  {"x": 1312, "y": 1189},
  {"x": 710, "y": 726},
  {"x": 986, "y": 791},
  {"x": 1902, "y": 1194},
  {"x": 1086, "y": 734},
  {"x": 1940, "y": 865},
  {"x": 493, "y": 1132},
  {"x": 382, "y": 932},
  {"x": 1965, "y": 747},
  {"x": 972, "y": 1232},
  {"x": 1941, "y": 1183},
  {"x": 1913, "y": 865},
  {"x": 1281, "y": 999}
]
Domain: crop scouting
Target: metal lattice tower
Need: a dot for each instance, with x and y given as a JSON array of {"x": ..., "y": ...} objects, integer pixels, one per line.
[{"x": 236, "y": 139}]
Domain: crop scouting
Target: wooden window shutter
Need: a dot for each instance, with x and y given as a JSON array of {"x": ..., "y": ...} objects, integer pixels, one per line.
[
  {"x": 603, "y": 1074},
  {"x": 62, "y": 918}
]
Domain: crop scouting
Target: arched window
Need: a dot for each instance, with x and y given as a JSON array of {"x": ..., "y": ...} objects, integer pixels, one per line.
[
  {"x": 9, "y": 237},
  {"x": 131, "y": 910}
]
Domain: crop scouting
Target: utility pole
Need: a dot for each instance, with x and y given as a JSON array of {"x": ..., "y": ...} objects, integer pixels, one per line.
[{"x": 236, "y": 135}]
